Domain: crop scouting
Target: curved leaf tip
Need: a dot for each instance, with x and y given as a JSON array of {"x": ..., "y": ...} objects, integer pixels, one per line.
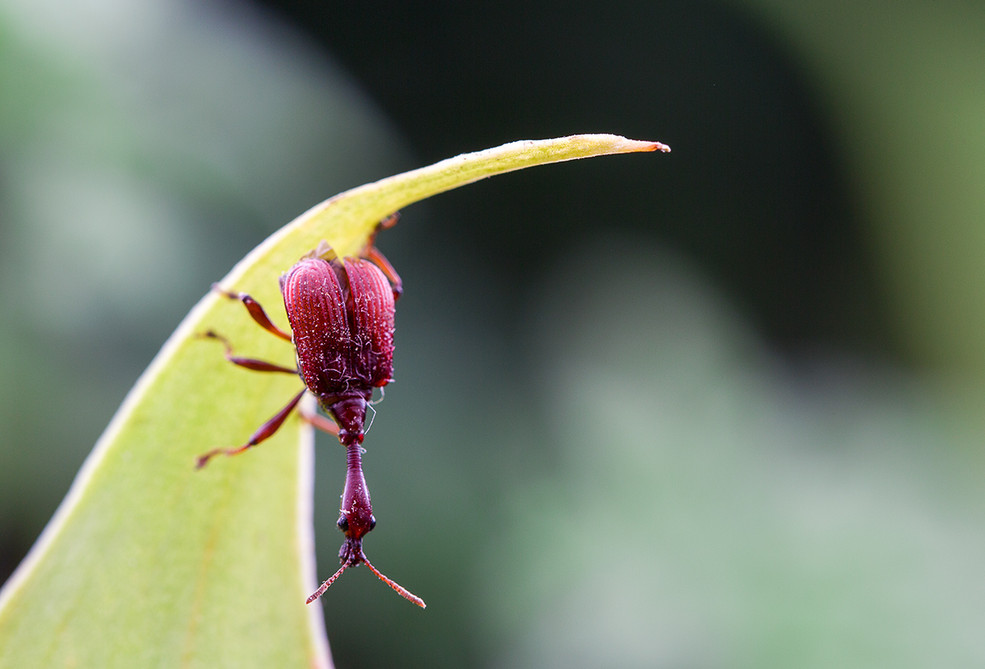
[{"x": 151, "y": 563}]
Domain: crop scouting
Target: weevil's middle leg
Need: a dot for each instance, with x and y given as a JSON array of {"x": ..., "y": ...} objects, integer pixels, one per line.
[
  {"x": 321, "y": 422},
  {"x": 265, "y": 431},
  {"x": 256, "y": 311},
  {"x": 248, "y": 363}
]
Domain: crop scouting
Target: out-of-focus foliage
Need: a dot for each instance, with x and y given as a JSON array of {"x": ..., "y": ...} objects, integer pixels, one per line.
[
  {"x": 716, "y": 410},
  {"x": 901, "y": 88},
  {"x": 708, "y": 508}
]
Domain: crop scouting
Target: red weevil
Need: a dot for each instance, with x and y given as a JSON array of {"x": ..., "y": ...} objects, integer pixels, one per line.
[{"x": 341, "y": 313}]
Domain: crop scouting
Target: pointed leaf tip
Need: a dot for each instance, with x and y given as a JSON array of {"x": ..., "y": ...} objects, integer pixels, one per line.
[{"x": 643, "y": 146}]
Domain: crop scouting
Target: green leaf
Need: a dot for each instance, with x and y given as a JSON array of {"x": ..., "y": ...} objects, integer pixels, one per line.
[{"x": 148, "y": 562}]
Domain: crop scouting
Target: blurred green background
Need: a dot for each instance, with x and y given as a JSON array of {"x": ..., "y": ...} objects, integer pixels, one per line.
[{"x": 721, "y": 408}]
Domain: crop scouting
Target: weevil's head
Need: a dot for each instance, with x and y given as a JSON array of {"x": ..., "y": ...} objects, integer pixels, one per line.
[
  {"x": 354, "y": 525},
  {"x": 356, "y": 521}
]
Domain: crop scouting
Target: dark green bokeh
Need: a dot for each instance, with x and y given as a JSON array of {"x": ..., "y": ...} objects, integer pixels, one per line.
[{"x": 711, "y": 409}]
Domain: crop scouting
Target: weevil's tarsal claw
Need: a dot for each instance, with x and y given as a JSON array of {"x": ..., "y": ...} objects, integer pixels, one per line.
[
  {"x": 389, "y": 221},
  {"x": 265, "y": 432},
  {"x": 203, "y": 459}
]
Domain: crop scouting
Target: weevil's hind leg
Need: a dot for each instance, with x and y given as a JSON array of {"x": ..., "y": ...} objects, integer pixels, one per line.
[
  {"x": 371, "y": 253},
  {"x": 321, "y": 422},
  {"x": 256, "y": 311},
  {"x": 265, "y": 431},
  {"x": 374, "y": 256},
  {"x": 387, "y": 222},
  {"x": 248, "y": 363}
]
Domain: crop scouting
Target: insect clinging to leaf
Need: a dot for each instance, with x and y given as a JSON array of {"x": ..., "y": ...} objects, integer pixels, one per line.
[{"x": 341, "y": 312}]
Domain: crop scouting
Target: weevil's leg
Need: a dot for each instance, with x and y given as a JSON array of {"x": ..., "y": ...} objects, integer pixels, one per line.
[
  {"x": 256, "y": 311},
  {"x": 321, "y": 422},
  {"x": 266, "y": 431},
  {"x": 374, "y": 256},
  {"x": 371, "y": 253},
  {"x": 249, "y": 363},
  {"x": 387, "y": 222}
]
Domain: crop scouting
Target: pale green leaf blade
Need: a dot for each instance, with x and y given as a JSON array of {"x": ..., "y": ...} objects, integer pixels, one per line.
[{"x": 148, "y": 562}]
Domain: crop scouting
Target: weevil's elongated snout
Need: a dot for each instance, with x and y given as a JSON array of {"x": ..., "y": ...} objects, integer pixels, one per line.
[
  {"x": 356, "y": 520},
  {"x": 356, "y": 513}
]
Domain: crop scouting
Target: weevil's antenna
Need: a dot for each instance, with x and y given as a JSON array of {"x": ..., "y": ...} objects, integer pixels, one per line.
[
  {"x": 399, "y": 589},
  {"x": 324, "y": 586}
]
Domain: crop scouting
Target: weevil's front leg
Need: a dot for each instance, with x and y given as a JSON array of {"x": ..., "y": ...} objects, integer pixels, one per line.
[
  {"x": 266, "y": 431},
  {"x": 248, "y": 363},
  {"x": 256, "y": 311}
]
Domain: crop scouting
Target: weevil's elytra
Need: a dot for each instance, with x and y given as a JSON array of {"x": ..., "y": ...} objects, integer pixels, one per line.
[
  {"x": 341, "y": 313},
  {"x": 342, "y": 316}
]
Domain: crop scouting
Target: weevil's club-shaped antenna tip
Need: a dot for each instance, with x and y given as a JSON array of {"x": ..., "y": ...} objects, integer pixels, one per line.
[{"x": 399, "y": 589}]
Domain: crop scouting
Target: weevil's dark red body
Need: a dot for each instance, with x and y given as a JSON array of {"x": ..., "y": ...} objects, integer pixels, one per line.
[
  {"x": 341, "y": 314},
  {"x": 342, "y": 319}
]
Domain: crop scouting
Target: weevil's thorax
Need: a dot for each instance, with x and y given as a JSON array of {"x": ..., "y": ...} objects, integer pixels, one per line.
[
  {"x": 349, "y": 413},
  {"x": 342, "y": 316}
]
